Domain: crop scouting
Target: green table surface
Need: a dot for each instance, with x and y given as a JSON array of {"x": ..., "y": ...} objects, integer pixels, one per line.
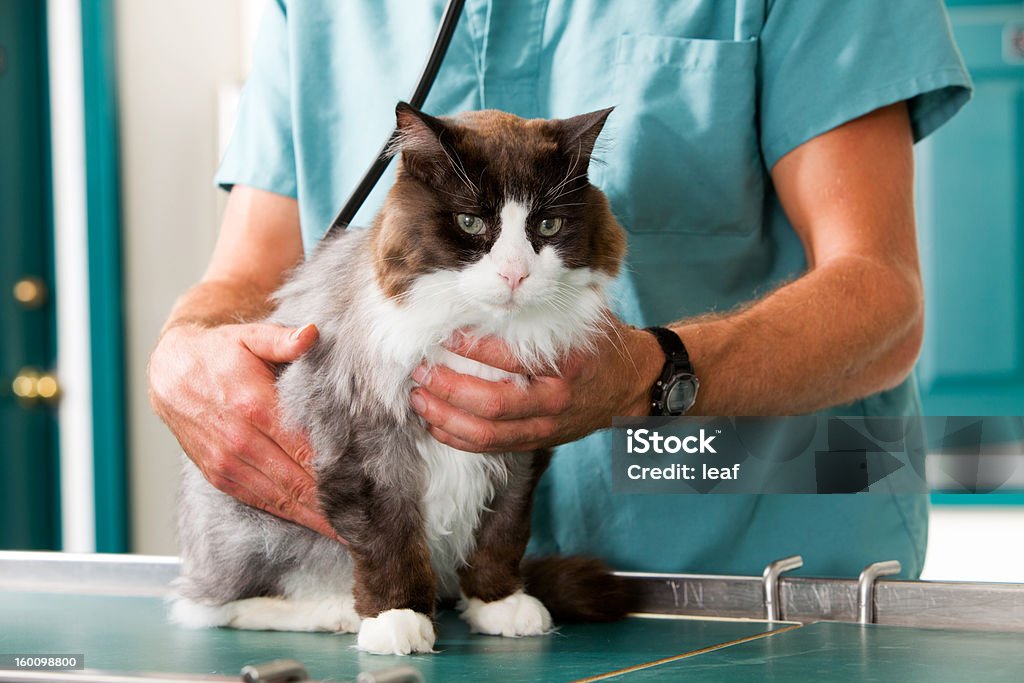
[
  {"x": 850, "y": 652},
  {"x": 131, "y": 634}
]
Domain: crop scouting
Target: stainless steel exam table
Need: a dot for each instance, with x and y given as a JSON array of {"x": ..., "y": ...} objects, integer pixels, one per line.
[{"x": 109, "y": 611}]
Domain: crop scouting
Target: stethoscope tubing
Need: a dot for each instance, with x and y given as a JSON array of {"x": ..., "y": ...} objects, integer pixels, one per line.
[{"x": 445, "y": 31}]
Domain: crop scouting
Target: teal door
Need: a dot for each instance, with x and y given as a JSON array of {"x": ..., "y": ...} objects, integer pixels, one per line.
[
  {"x": 971, "y": 215},
  {"x": 29, "y": 514}
]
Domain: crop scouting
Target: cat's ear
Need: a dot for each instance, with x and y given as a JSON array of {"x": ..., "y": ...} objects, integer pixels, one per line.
[
  {"x": 419, "y": 134},
  {"x": 579, "y": 134}
]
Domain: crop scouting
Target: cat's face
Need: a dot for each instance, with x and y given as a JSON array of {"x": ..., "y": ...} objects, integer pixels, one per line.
[{"x": 496, "y": 212}]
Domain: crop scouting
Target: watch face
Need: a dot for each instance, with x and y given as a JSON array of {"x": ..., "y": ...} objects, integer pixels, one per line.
[{"x": 681, "y": 395}]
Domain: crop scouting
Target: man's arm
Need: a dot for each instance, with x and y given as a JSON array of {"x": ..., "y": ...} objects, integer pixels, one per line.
[
  {"x": 849, "y": 327},
  {"x": 211, "y": 375},
  {"x": 852, "y": 325}
]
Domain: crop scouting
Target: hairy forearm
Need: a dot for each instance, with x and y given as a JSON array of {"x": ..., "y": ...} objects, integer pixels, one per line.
[
  {"x": 217, "y": 302},
  {"x": 845, "y": 330}
]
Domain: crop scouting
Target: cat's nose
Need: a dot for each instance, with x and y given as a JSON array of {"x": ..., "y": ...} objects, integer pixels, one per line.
[{"x": 513, "y": 277}]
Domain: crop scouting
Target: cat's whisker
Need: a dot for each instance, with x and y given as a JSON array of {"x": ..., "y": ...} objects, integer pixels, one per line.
[
  {"x": 572, "y": 168},
  {"x": 621, "y": 348},
  {"x": 430, "y": 290},
  {"x": 460, "y": 171},
  {"x": 568, "y": 191},
  {"x": 460, "y": 197},
  {"x": 575, "y": 162},
  {"x": 556, "y": 191},
  {"x": 380, "y": 259},
  {"x": 559, "y": 305},
  {"x": 605, "y": 323}
]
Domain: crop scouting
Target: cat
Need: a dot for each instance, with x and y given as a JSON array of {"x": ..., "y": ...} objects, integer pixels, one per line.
[{"x": 491, "y": 226}]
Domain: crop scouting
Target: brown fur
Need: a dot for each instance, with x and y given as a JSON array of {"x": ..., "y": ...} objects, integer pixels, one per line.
[
  {"x": 578, "y": 589},
  {"x": 470, "y": 164},
  {"x": 573, "y": 589},
  {"x": 370, "y": 474},
  {"x": 492, "y": 571},
  {"x": 383, "y": 525},
  {"x": 393, "y": 576}
]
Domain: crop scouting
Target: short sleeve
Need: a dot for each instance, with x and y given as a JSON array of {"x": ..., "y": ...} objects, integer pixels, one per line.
[
  {"x": 826, "y": 63},
  {"x": 261, "y": 151}
]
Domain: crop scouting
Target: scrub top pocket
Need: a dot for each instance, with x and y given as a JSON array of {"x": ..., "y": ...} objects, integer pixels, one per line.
[{"x": 682, "y": 153}]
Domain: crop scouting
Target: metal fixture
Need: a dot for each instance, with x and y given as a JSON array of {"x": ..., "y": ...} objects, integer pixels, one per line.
[
  {"x": 866, "y": 588},
  {"x": 772, "y": 589}
]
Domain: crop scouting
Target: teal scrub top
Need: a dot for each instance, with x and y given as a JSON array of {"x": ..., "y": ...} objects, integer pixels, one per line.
[{"x": 708, "y": 96}]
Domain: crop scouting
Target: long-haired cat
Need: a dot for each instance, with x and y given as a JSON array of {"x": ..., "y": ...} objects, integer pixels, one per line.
[{"x": 491, "y": 226}]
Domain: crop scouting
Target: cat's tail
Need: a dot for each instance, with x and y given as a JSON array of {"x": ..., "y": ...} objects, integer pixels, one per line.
[{"x": 578, "y": 588}]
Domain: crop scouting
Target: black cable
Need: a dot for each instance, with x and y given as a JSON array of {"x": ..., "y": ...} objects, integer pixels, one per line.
[{"x": 444, "y": 37}]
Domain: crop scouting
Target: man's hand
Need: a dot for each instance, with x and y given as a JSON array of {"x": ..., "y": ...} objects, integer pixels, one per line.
[
  {"x": 212, "y": 382},
  {"x": 214, "y": 387},
  {"x": 564, "y": 404}
]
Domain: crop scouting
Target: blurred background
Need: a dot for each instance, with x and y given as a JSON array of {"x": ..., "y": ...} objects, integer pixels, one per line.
[{"x": 113, "y": 116}]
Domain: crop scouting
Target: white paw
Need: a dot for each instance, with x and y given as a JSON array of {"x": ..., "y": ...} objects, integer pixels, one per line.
[
  {"x": 331, "y": 613},
  {"x": 191, "y": 614},
  {"x": 517, "y": 615},
  {"x": 335, "y": 614},
  {"x": 396, "y": 632}
]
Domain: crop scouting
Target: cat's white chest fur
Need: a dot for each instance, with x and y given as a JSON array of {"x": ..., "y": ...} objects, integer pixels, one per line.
[
  {"x": 458, "y": 485},
  {"x": 457, "y": 488}
]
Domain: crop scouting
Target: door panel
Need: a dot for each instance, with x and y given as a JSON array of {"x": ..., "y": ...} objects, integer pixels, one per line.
[
  {"x": 28, "y": 452},
  {"x": 970, "y": 190}
]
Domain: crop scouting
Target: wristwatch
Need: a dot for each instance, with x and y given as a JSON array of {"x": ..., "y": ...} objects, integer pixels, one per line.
[{"x": 675, "y": 391}]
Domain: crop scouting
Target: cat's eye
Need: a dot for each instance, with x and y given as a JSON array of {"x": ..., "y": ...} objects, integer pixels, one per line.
[
  {"x": 549, "y": 226},
  {"x": 470, "y": 224}
]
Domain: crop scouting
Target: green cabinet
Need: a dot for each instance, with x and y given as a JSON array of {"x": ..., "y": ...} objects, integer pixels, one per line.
[
  {"x": 970, "y": 194},
  {"x": 29, "y": 512}
]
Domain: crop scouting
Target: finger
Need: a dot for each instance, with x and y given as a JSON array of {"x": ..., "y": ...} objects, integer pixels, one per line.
[
  {"x": 277, "y": 500},
  {"x": 485, "y": 435},
  {"x": 267, "y": 457},
  {"x": 254, "y": 488},
  {"x": 458, "y": 444},
  {"x": 449, "y": 440},
  {"x": 501, "y": 400},
  {"x": 276, "y": 344},
  {"x": 262, "y": 411},
  {"x": 489, "y": 351},
  {"x": 285, "y": 485}
]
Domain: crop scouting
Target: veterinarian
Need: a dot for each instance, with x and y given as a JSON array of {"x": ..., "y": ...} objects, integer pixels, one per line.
[{"x": 759, "y": 157}]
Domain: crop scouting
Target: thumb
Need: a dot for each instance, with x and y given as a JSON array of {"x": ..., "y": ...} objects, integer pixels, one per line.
[{"x": 276, "y": 344}]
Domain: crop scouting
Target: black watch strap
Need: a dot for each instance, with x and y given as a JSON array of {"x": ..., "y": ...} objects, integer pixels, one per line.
[
  {"x": 677, "y": 368},
  {"x": 672, "y": 345}
]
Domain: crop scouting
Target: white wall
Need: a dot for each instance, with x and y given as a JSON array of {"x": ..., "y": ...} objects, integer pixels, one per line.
[
  {"x": 174, "y": 58},
  {"x": 983, "y": 543}
]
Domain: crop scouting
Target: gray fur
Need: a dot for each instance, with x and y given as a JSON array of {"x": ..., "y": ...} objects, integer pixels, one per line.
[
  {"x": 231, "y": 551},
  {"x": 410, "y": 508}
]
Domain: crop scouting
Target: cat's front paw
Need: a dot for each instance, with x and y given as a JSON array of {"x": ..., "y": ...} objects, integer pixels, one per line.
[
  {"x": 396, "y": 632},
  {"x": 516, "y": 615}
]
